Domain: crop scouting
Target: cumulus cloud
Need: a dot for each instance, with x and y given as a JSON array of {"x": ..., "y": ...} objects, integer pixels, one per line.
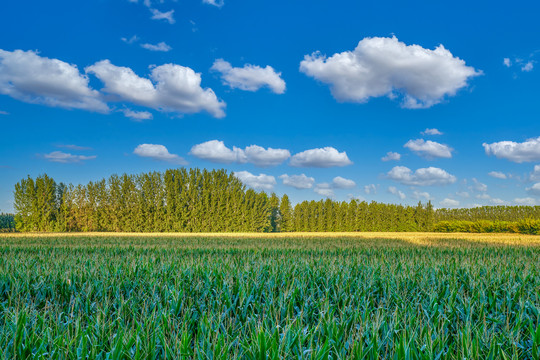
[
  {"x": 324, "y": 189},
  {"x": 298, "y": 181},
  {"x": 170, "y": 88},
  {"x": 421, "y": 195},
  {"x": 137, "y": 115},
  {"x": 321, "y": 157},
  {"x": 431, "y": 132},
  {"x": 391, "y": 156},
  {"x": 507, "y": 62},
  {"x": 496, "y": 201},
  {"x": 497, "y": 174},
  {"x": 534, "y": 190},
  {"x": 73, "y": 147},
  {"x": 341, "y": 183},
  {"x": 478, "y": 186},
  {"x": 130, "y": 40},
  {"x": 463, "y": 194},
  {"x": 526, "y": 201},
  {"x": 421, "y": 177},
  {"x": 535, "y": 175},
  {"x": 528, "y": 66},
  {"x": 429, "y": 149},
  {"x": 393, "y": 190},
  {"x": 158, "y": 152},
  {"x": 528, "y": 150},
  {"x": 62, "y": 157},
  {"x": 370, "y": 189},
  {"x": 259, "y": 182},
  {"x": 387, "y": 67},
  {"x": 167, "y": 16},
  {"x": 162, "y": 46},
  {"x": 216, "y": 151},
  {"x": 216, "y": 3},
  {"x": 447, "y": 203},
  {"x": 483, "y": 196},
  {"x": 250, "y": 77},
  {"x": 26, "y": 76}
]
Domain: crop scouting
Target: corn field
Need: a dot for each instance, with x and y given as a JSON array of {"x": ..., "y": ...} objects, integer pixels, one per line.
[{"x": 269, "y": 297}]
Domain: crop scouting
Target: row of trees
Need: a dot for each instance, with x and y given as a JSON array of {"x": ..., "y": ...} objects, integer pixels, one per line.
[
  {"x": 489, "y": 213},
  {"x": 7, "y": 222},
  {"x": 177, "y": 200},
  {"x": 194, "y": 200}
]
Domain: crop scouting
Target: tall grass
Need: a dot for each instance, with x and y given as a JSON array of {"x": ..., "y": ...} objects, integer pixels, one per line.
[{"x": 255, "y": 298}]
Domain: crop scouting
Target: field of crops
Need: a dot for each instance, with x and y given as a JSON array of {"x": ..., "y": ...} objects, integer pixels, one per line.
[{"x": 301, "y": 296}]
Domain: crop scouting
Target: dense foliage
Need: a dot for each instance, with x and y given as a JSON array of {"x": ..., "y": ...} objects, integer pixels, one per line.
[
  {"x": 177, "y": 200},
  {"x": 195, "y": 201},
  {"x": 525, "y": 226},
  {"x": 7, "y": 222},
  {"x": 489, "y": 213},
  {"x": 192, "y": 200},
  {"x": 267, "y": 298}
]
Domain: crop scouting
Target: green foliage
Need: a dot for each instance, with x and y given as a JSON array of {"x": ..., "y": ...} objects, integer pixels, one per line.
[
  {"x": 7, "y": 222},
  {"x": 525, "y": 226},
  {"x": 178, "y": 200},
  {"x": 165, "y": 297}
]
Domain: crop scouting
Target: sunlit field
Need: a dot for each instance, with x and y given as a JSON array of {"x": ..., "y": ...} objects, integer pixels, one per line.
[{"x": 258, "y": 296}]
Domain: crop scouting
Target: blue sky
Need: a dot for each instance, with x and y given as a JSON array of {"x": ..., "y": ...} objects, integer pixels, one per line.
[{"x": 303, "y": 97}]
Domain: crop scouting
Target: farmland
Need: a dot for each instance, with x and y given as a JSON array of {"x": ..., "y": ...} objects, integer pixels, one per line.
[{"x": 256, "y": 296}]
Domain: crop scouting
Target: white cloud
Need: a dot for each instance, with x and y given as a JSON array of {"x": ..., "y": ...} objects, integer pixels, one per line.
[
  {"x": 421, "y": 195},
  {"x": 260, "y": 182},
  {"x": 250, "y": 77},
  {"x": 387, "y": 67},
  {"x": 216, "y": 151},
  {"x": 324, "y": 189},
  {"x": 429, "y": 149},
  {"x": 526, "y": 201},
  {"x": 478, "y": 186},
  {"x": 483, "y": 196},
  {"x": 3, "y": 112},
  {"x": 162, "y": 46},
  {"x": 528, "y": 150},
  {"x": 130, "y": 40},
  {"x": 260, "y": 156},
  {"x": 391, "y": 156},
  {"x": 449, "y": 203},
  {"x": 137, "y": 115},
  {"x": 170, "y": 88},
  {"x": 496, "y": 201},
  {"x": 507, "y": 62},
  {"x": 321, "y": 157},
  {"x": 73, "y": 147},
  {"x": 26, "y": 76},
  {"x": 158, "y": 152},
  {"x": 370, "y": 189},
  {"x": 497, "y": 174},
  {"x": 216, "y": 3},
  {"x": 62, "y": 157},
  {"x": 534, "y": 190},
  {"x": 167, "y": 16},
  {"x": 341, "y": 183},
  {"x": 431, "y": 132},
  {"x": 421, "y": 177},
  {"x": 393, "y": 190},
  {"x": 535, "y": 175},
  {"x": 528, "y": 66},
  {"x": 463, "y": 194},
  {"x": 298, "y": 181}
]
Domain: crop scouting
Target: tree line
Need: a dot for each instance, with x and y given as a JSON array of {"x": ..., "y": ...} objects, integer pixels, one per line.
[
  {"x": 7, "y": 222},
  {"x": 194, "y": 200}
]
